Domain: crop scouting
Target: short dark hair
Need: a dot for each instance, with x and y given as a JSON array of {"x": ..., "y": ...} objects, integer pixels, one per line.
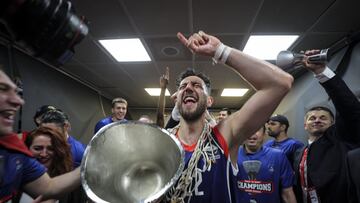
[
  {"x": 57, "y": 117},
  {"x": 42, "y": 110},
  {"x": 319, "y": 108},
  {"x": 192, "y": 72},
  {"x": 227, "y": 111},
  {"x": 281, "y": 119}
]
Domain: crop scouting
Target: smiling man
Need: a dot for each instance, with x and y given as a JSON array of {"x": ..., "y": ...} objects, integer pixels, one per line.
[
  {"x": 265, "y": 174},
  {"x": 320, "y": 167},
  {"x": 317, "y": 120},
  {"x": 224, "y": 113},
  {"x": 211, "y": 152},
  {"x": 18, "y": 169},
  {"x": 118, "y": 112}
]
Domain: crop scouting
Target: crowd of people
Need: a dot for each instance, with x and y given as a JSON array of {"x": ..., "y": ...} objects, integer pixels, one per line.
[{"x": 227, "y": 160}]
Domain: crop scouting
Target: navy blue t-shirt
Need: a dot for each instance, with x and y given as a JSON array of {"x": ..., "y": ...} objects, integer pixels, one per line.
[
  {"x": 77, "y": 150},
  {"x": 262, "y": 175},
  {"x": 288, "y": 146},
  {"x": 16, "y": 170},
  {"x": 104, "y": 122}
]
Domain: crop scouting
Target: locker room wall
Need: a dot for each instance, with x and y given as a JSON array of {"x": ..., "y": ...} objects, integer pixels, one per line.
[{"x": 45, "y": 85}]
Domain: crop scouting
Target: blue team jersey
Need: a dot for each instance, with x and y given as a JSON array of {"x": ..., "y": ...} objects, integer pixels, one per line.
[
  {"x": 16, "y": 170},
  {"x": 262, "y": 175},
  {"x": 77, "y": 150},
  {"x": 215, "y": 185},
  {"x": 104, "y": 122},
  {"x": 288, "y": 146}
]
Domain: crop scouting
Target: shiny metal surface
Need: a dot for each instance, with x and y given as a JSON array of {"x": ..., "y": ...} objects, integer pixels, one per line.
[
  {"x": 131, "y": 162},
  {"x": 288, "y": 60}
]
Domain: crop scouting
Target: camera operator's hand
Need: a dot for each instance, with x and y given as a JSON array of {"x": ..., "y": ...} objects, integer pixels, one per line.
[
  {"x": 316, "y": 68},
  {"x": 200, "y": 43}
]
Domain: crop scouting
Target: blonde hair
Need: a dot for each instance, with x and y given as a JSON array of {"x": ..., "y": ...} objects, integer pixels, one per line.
[{"x": 118, "y": 100}]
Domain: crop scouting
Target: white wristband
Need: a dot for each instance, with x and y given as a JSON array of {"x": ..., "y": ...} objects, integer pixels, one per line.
[
  {"x": 219, "y": 51},
  {"x": 226, "y": 54}
]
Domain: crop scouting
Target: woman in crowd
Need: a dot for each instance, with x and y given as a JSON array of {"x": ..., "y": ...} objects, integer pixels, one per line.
[{"x": 50, "y": 148}]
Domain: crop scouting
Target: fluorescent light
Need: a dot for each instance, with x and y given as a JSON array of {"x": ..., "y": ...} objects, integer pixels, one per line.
[
  {"x": 126, "y": 50},
  {"x": 156, "y": 91},
  {"x": 234, "y": 92},
  {"x": 267, "y": 47}
]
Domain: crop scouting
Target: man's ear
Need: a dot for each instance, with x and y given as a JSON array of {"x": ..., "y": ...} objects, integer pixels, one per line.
[
  {"x": 174, "y": 97},
  {"x": 210, "y": 101},
  {"x": 283, "y": 127}
]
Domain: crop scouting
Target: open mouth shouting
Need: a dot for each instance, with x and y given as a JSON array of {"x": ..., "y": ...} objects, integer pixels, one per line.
[
  {"x": 7, "y": 117},
  {"x": 189, "y": 100}
]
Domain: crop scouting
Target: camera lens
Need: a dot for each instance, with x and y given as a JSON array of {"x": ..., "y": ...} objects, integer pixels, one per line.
[{"x": 49, "y": 27}]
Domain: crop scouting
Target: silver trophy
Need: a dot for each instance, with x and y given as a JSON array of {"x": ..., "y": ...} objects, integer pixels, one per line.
[{"x": 289, "y": 61}]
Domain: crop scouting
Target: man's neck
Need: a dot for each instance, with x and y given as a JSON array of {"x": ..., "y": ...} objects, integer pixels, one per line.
[
  {"x": 189, "y": 132},
  {"x": 282, "y": 136},
  {"x": 114, "y": 119},
  {"x": 251, "y": 151},
  {"x": 313, "y": 138}
]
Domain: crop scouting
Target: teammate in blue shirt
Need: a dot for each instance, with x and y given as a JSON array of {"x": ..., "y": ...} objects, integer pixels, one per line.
[
  {"x": 118, "y": 112},
  {"x": 212, "y": 151},
  {"x": 77, "y": 150},
  {"x": 277, "y": 127},
  {"x": 265, "y": 174},
  {"x": 18, "y": 170}
]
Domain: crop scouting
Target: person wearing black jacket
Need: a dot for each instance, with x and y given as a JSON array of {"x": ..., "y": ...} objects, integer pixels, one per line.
[
  {"x": 353, "y": 168},
  {"x": 320, "y": 167}
]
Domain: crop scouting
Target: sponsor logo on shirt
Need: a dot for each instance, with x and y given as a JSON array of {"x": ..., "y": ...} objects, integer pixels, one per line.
[
  {"x": 212, "y": 151},
  {"x": 255, "y": 186}
]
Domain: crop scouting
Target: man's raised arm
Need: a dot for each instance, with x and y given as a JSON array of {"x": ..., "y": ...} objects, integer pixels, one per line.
[{"x": 271, "y": 83}]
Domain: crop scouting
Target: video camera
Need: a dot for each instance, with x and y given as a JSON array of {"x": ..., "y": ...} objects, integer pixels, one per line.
[{"x": 47, "y": 28}]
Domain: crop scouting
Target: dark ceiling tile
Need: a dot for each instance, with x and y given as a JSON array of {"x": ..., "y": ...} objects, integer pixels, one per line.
[
  {"x": 159, "y": 17},
  {"x": 107, "y": 18},
  {"x": 146, "y": 74},
  {"x": 342, "y": 16},
  {"x": 90, "y": 52},
  {"x": 318, "y": 41},
  {"x": 290, "y": 16},
  {"x": 231, "y": 16}
]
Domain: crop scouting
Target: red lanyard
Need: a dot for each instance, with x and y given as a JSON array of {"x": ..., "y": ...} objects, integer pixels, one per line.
[
  {"x": 309, "y": 192},
  {"x": 303, "y": 169}
]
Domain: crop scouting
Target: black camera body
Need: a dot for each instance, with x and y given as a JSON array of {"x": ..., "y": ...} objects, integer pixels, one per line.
[{"x": 49, "y": 28}]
